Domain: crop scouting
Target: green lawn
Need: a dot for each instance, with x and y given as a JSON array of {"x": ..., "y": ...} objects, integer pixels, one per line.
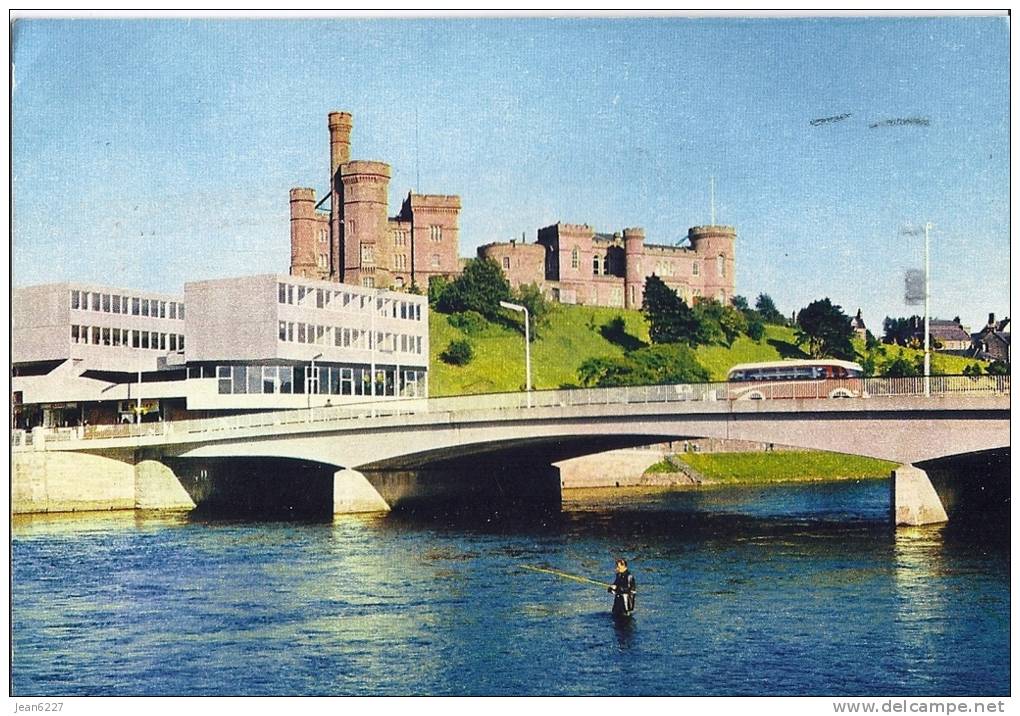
[
  {"x": 573, "y": 334},
  {"x": 767, "y": 467}
]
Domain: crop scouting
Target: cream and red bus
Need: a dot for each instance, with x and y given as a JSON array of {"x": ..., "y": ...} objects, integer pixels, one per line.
[{"x": 822, "y": 378}]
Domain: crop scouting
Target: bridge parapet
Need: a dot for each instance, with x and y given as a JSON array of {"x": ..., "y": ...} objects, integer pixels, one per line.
[{"x": 866, "y": 394}]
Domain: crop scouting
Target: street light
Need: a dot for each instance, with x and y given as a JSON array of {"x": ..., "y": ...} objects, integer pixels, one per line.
[
  {"x": 910, "y": 231},
  {"x": 309, "y": 379},
  {"x": 527, "y": 342}
]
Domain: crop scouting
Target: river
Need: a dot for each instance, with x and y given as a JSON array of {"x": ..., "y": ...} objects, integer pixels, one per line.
[{"x": 795, "y": 589}]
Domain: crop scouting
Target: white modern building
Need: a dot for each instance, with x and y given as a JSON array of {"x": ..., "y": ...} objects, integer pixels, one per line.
[{"x": 94, "y": 354}]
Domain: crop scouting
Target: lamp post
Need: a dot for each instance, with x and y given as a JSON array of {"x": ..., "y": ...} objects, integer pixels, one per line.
[
  {"x": 527, "y": 344},
  {"x": 912, "y": 297},
  {"x": 927, "y": 313},
  {"x": 308, "y": 383}
]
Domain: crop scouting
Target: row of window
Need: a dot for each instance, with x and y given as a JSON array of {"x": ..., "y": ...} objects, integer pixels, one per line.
[
  {"x": 127, "y": 338},
  {"x": 130, "y": 305},
  {"x": 342, "y": 337},
  {"x": 322, "y": 380},
  {"x": 601, "y": 266},
  {"x": 339, "y": 300}
]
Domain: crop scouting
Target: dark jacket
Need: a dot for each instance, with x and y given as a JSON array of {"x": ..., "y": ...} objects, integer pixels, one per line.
[{"x": 623, "y": 588}]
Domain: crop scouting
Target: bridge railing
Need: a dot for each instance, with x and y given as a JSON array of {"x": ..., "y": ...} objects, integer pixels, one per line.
[{"x": 865, "y": 388}]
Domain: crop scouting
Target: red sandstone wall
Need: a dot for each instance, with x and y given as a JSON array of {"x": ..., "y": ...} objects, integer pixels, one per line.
[
  {"x": 306, "y": 227},
  {"x": 521, "y": 263},
  {"x": 435, "y": 249}
]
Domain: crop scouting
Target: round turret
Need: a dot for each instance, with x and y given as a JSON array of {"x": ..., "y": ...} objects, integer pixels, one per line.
[
  {"x": 634, "y": 278},
  {"x": 303, "y": 227},
  {"x": 365, "y": 205}
]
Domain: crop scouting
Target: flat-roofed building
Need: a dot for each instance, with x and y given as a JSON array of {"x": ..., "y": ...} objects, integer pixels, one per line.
[
  {"x": 84, "y": 353},
  {"x": 258, "y": 336}
]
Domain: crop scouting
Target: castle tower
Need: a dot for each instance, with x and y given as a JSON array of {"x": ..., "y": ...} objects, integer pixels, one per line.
[
  {"x": 340, "y": 124},
  {"x": 303, "y": 230},
  {"x": 365, "y": 190},
  {"x": 634, "y": 277},
  {"x": 714, "y": 246}
]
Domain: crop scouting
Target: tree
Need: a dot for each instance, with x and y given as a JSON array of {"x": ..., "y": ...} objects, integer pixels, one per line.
[
  {"x": 668, "y": 363},
  {"x": 974, "y": 369},
  {"x": 900, "y": 367},
  {"x": 479, "y": 288},
  {"x": 740, "y": 303},
  {"x": 998, "y": 367},
  {"x": 718, "y": 323},
  {"x": 670, "y": 319},
  {"x": 826, "y": 330},
  {"x": 767, "y": 308},
  {"x": 437, "y": 284},
  {"x": 755, "y": 328},
  {"x": 665, "y": 363},
  {"x": 605, "y": 372}
]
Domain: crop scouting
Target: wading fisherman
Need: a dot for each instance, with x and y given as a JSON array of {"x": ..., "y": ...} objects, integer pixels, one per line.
[{"x": 623, "y": 588}]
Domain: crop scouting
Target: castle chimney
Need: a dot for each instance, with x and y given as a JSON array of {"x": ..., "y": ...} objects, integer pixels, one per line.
[{"x": 991, "y": 320}]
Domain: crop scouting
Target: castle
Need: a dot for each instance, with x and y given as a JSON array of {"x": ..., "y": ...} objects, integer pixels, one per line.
[
  {"x": 572, "y": 263},
  {"x": 356, "y": 242}
]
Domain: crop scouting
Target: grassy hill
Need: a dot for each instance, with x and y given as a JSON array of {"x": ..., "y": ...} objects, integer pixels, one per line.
[{"x": 575, "y": 333}]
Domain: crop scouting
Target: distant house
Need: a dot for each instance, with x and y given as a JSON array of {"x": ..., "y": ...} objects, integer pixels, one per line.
[
  {"x": 949, "y": 336},
  {"x": 992, "y": 342},
  {"x": 857, "y": 324},
  {"x": 946, "y": 336}
]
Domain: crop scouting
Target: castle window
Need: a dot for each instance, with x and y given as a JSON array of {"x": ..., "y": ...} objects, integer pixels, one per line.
[
  {"x": 368, "y": 281},
  {"x": 400, "y": 261},
  {"x": 694, "y": 268},
  {"x": 506, "y": 262},
  {"x": 399, "y": 238},
  {"x": 575, "y": 258},
  {"x": 595, "y": 265},
  {"x": 720, "y": 265},
  {"x": 367, "y": 255},
  {"x": 322, "y": 261},
  {"x": 75, "y": 299},
  {"x": 435, "y": 260},
  {"x": 322, "y": 236},
  {"x": 436, "y": 233}
]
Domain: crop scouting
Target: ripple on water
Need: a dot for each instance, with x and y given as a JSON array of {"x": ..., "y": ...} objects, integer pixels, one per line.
[{"x": 793, "y": 590}]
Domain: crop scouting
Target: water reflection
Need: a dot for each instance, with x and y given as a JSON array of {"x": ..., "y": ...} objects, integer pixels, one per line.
[{"x": 793, "y": 590}]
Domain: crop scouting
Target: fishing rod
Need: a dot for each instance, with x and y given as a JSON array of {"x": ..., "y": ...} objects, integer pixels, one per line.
[{"x": 564, "y": 575}]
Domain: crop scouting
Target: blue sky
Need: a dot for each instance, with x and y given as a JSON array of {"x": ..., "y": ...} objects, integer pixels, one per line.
[{"x": 151, "y": 152}]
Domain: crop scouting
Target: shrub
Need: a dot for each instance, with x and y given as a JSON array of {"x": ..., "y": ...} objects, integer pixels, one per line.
[
  {"x": 459, "y": 352},
  {"x": 756, "y": 329}
]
